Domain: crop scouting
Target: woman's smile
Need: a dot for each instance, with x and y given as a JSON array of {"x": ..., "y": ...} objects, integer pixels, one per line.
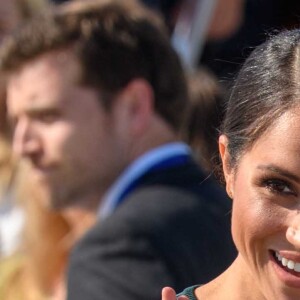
[{"x": 287, "y": 270}]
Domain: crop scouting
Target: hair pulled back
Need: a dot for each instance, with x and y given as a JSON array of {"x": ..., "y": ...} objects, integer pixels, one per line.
[{"x": 267, "y": 86}]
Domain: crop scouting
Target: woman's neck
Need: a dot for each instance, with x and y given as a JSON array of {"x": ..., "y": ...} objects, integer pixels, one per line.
[{"x": 235, "y": 283}]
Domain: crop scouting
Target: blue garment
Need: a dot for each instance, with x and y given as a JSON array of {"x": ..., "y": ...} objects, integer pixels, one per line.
[{"x": 165, "y": 156}]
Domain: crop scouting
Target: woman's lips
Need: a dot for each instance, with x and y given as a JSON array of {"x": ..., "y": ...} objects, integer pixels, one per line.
[{"x": 286, "y": 269}]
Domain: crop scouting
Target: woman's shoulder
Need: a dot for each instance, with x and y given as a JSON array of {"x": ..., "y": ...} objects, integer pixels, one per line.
[{"x": 189, "y": 292}]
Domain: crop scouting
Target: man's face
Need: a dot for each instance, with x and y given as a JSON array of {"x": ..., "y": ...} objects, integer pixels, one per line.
[{"x": 62, "y": 129}]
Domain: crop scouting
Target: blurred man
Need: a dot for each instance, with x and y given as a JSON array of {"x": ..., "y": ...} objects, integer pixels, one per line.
[{"x": 96, "y": 97}]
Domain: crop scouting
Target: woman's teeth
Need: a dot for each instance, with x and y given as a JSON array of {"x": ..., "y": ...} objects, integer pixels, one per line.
[{"x": 288, "y": 263}]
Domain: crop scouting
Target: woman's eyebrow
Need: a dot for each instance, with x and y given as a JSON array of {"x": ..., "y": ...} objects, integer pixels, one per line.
[{"x": 279, "y": 170}]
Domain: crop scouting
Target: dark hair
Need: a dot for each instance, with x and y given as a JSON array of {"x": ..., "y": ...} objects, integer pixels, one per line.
[
  {"x": 27, "y": 8},
  {"x": 204, "y": 116},
  {"x": 266, "y": 87},
  {"x": 115, "y": 41}
]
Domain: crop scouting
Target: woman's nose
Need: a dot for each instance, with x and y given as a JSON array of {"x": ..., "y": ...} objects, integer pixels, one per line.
[{"x": 293, "y": 232}]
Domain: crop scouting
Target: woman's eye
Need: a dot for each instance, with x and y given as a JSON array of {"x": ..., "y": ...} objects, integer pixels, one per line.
[{"x": 278, "y": 186}]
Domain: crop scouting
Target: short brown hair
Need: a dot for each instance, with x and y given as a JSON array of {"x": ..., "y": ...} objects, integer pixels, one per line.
[
  {"x": 115, "y": 41},
  {"x": 204, "y": 116}
]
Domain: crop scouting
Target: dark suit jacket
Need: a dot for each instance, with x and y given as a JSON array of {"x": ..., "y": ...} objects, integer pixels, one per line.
[{"x": 172, "y": 230}]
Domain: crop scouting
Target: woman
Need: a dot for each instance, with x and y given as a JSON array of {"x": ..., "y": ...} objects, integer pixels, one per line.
[{"x": 259, "y": 148}]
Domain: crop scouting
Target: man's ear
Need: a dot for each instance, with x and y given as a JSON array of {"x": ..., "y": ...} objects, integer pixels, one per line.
[
  {"x": 227, "y": 168},
  {"x": 136, "y": 106}
]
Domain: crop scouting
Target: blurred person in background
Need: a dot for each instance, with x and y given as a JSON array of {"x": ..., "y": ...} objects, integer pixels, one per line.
[
  {"x": 36, "y": 269},
  {"x": 100, "y": 130},
  {"x": 204, "y": 116},
  {"x": 225, "y": 56},
  {"x": 34, "y": 241},
  {"x": 234, "y": 28},
  {"x": 11, "y": 215}
]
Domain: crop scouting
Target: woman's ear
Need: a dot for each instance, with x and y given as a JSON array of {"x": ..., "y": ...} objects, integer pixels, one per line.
[{"x": 227, "y": 168}]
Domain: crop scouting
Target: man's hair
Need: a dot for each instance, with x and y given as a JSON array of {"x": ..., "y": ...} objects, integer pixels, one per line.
[{"x": 115, "y": 41}]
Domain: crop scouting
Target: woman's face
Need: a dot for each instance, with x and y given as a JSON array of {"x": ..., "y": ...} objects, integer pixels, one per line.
[{"x": 265, "y": 189}]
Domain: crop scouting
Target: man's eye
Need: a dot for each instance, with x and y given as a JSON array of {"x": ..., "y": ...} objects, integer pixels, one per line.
[
  {"x": 47, "y": 117},
  {"x": 279, "y": 186}
]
